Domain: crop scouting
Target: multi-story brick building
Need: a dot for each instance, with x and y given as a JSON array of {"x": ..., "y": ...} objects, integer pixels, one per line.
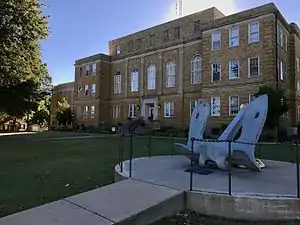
[
  {"x": 61, "y": 91},
  {"x": 162, "y": 71}
]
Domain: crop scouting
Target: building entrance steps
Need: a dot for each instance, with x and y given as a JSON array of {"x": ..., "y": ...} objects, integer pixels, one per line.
[{"x": 125, "y": 202}]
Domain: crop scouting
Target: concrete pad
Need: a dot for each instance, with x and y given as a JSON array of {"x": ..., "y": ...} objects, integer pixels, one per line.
[
  {"x": 123, "y": 200},
  {"x": 56, "y": 213}
]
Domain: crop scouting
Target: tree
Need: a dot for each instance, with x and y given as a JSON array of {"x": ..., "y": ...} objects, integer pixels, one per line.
[
  {"x": 64, "y": 114},
  {"x": 277, "y": 105},
  {"x": 23, "y": 75}
]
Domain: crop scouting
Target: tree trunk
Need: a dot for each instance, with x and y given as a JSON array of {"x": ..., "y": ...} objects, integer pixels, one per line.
[{"x": 14, "y": 124}]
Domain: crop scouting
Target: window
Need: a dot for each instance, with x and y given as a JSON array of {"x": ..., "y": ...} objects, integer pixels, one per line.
[
  {"x": 171, "y": 75},
  {"x": 117, "y": 83},
  {"x": 80, "y": 71},
  {"x": 151, "y": 39},
  {"x": 86, "y": 90},
  {"x": 138, "y": 43},
  {"x": 215, "y": 103},
  {"x": 130, "y": 45},
  {"x": 134, "y": 80},
  {"x": 151, "y": 72},
  {"x": 252, "y": 97},
  {"x": 216, "y": 40},
  {"x": 279, "y": 36},
  {"x": 168, "y": 109},
  {"x": 285, "y": 42},
  {"x": 94, "y": 67},
  {"x": 87, "y": 70},
  {"x": 233, "y": 105},
  {"x": 193, "y": 105},
  {"x": 92, "y": 112},
  {"x": 233, "y": 69},
  {"x": 298, "y": 112},
  {"x": 79, "y": 90},
  {"x": 234, "y": 33},
  {"x": 298, "y": 87},
  {"x": 118, "y": 49},
  {"x": 280, "y": 68},
  {"x": 197, "y": 26},
  {"x": 196, "y": 70},
  {"x": 116, "y": 111},
  {"x": 132, "y": 111},
  {"x": 85, "y": 112},
  {"x": 93, "y": 90},
  {"x": 298, "y": 64},
  {"x": 253, "y": 32},
  {"x": 176, "y": 32},
  {"x": 253, "y": 67},
  {"x": 166, "y": 36},
  {"x": 215, "y": 72}
]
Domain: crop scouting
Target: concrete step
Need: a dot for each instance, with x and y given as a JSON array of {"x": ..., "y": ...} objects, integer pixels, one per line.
[{"x": 126, "y": 202}]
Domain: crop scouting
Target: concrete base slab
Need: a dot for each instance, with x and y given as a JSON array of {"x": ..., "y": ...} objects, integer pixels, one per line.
[
  {"x": 58, "y": 213},
  {"x": 126, "y": 199}
]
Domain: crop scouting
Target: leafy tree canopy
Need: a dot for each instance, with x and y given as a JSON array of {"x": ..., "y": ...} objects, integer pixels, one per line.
[
  {"x": 277, "y": 105},
  {"x": 64, "y": 114}
]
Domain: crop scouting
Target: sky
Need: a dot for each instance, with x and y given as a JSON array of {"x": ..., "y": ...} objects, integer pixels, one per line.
[{"x": 84, "y": 27}]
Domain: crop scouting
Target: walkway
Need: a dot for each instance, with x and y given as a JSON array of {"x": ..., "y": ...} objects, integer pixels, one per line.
[{"x": 126, "y": 202}]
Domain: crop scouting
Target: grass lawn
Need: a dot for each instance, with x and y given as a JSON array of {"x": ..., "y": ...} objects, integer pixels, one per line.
[{"x": 35, "y": 170}]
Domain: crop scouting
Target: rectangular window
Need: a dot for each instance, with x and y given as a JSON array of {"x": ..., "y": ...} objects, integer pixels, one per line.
[
  {"x": 80, "y": 90},
  {"x": 279, "y": 35},
  {"x": 280, "y": 68},
  {"x": 234, "y": 33},
  {"x": 86, "y": 90},
  {"x": 116, "y": 111},
  {"x": 298, "y": 64},
  {"x": 298, "y": 87},
  {"x": 87, "y": 70},
  {"x": 196, "y": 70},
  {"x": 216, "y": 40},
  {"x": 92, "y": 112},
  {"x": 151, "y": 77},
  {"x": 253, "y": 32},
  {"x": 253, "y": 67},
  {"x": 166, "y": 36},
  {"x": 168, "y": 109},
  {"x": 252, "y": 97},
  {"x": 233, "y": 69},
  {"x": 138, "y": 43},
  {"x": 285, "y": 42},
  {"x": 132, "y": 111},
  {"x": 197, "y": 26},
  {"x": 176, "y": 32},
  {"x": 215, "y": 106},
  {"x": 193, "y": 105},
  {"x": 134, "y": 80},
  {"x": 85, "y": 112},
  {"x": 151, "y": 39},
  {"x": 171, "y": 75},
  {"x": 118, "y": 49},
  {"x": 94, "y": 68},
  {"x": 93, "y": 90},
  {"x": 80, "y": 71},
  {"x": 215, "y": 72},
  {"x": 117, "y": 83},
  {"x": 130, "y": 45},
  {"x": 233, "y": 105}
]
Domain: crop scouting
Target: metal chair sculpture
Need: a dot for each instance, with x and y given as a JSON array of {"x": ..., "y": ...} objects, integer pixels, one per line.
[{"x": 250, "y": 121}]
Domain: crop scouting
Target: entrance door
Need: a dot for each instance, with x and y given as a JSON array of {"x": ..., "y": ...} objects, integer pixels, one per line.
[{"x": 150, "y": 113}]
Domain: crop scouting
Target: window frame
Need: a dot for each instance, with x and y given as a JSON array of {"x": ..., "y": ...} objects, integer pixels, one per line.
[
  {"x": 170, "y": 74},
  {"x": 230, "y": 105},
  {"x": 197, "y": 59},
  {"x": 212, "y": 106}
]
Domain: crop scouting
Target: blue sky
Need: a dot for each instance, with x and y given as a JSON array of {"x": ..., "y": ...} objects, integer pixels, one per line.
[{"x": 84, "y": 27}]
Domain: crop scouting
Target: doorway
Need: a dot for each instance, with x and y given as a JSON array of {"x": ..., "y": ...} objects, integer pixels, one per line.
[{"x": 150, "y": 111}]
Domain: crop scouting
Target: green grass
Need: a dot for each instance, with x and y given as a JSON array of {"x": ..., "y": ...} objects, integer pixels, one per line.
[{"x": 36, "y": 171}]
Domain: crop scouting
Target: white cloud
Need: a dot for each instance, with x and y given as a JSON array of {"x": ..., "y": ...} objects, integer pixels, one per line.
[{"x": 192, "y": 6}]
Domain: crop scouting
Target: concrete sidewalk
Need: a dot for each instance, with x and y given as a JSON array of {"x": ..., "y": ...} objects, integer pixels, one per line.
[{"x": 125, "y": 202}]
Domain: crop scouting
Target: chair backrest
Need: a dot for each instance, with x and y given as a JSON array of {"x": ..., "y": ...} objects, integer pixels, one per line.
[
  {"x": 198, "y": 121},
  {"x": 253, "y": 120}
]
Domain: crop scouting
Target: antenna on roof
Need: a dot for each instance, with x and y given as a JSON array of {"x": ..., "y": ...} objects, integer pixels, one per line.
[{"x": 179, "y": 8}]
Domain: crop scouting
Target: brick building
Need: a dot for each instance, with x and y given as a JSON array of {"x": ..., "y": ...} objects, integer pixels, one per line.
[{"x": 161, "y": 71}]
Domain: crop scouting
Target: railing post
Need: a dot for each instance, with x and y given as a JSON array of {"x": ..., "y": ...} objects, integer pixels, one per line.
[
  {"x": 121, "y": 152},
  {"x": 192, "y": 165},
  {"x": 229, "y": 167},
  {"x": 149, "y": 145},
  {"x": 297, "y": 166},
  {"x": 130, "y": 155},
  {"x": 172, "y": 144}
]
